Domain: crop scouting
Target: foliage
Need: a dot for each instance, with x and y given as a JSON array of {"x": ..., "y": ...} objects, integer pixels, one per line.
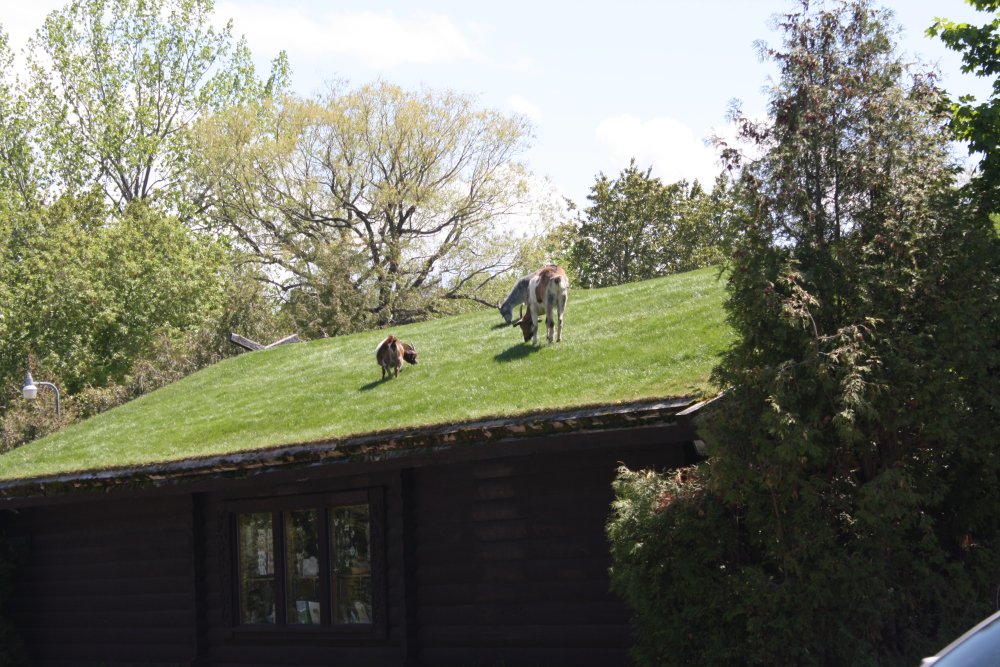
[
  {"x": 369, "y": 206},
  {"x": 85, "y": 299},
  {"x": 843, "y": 517},
  {"x": 117, "y": 83},
  {"x": 96, "y": 282},
  {"x": 171, "y": 355},
  {"x": 19, "y": 180},
  {"x": 470, "y": 366},
  {"x": 638, "y": 228},
  {"x": 977, "y": 121},
  {"x": 246, "y": 307}
]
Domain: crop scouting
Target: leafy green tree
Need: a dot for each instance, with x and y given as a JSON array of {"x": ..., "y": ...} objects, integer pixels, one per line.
[
  {"x": 637, "y": 228},
  {"x": 116, "y": 85},
  {"x": 978, "y": 122},
  {"x": 845, "y": 514},
  {"x": 704, "y": 231},
  {"x": 19, "y": 181},
  {"x": 619, "y": 237},
  {"x": 86, "y": 298},
  {"x": 368, "y": 206}
]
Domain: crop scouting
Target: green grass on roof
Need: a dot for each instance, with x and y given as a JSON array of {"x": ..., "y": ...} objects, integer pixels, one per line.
[{"x": 654, "y": 339}]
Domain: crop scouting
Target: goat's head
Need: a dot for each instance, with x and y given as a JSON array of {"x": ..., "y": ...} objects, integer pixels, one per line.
[
  {"x": 506, "y": 312},
  {"x": 409, "y": 354},
  {"x": 527, "y": 330}
]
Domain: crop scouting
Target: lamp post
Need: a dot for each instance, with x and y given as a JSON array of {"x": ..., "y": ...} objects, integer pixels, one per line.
[{"x": 30, "y": 389}]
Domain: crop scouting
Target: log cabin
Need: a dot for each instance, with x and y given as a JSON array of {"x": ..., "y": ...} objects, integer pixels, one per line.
[
  {"x": 475, "y": 542},
  {"x": 478, "y": 544}
]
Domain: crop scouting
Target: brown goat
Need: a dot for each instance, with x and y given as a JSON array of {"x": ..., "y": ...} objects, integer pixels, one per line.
[
  {"x": 389, "y": 355},
  {"x": 527, "y": 326}
]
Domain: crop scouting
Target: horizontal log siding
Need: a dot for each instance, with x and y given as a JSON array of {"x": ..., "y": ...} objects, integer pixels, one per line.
[
  {"x": 511, "y": 560},
  {"x": 491, "y": 558},
  {"x": 106, "y": 582}
]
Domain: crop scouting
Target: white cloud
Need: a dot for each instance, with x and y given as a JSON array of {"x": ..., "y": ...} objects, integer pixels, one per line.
[
  {"x": 670, "y": 147},
  {"x": 523, "y": 105},
  {"x": 20, "y": 20},
  {"x": 525, "y": 65},
  {"x": 376, "y": 39}
]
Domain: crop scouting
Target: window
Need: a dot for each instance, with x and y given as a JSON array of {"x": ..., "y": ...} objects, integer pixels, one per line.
[{"x": 306, "y": 562}]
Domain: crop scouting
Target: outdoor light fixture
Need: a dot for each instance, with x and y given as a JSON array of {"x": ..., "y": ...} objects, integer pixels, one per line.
[{"x": 30, "y": 389}]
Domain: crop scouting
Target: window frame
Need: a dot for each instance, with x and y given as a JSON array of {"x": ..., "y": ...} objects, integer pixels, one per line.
[{"x": 325, "y": 502}]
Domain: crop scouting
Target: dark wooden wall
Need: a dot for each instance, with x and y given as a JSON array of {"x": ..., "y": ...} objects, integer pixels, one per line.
[
  {"x": 494, "y": 557},
  {"x": 511, "y": 560},
  {"x": 106, "y": 583}
]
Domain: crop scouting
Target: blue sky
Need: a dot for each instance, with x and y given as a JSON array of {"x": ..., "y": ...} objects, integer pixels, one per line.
[{"x": 602, "y": 81}]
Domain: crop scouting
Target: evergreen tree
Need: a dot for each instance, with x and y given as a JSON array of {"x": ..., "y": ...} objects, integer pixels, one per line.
[{"x": 846, "y": 515}]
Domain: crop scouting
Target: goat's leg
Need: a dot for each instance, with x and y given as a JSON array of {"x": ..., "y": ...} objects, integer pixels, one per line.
[{"x": 533, "y": 311}]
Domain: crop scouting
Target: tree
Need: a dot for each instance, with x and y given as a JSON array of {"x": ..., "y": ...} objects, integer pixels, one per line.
[
  {"x": 844, "y": 514},
  {"x": 368, "y": 206},
  {"x": 976, "y": 121},
  {"x": 116, "y": 85},
  {"x": 19, "y": 181},
  {"x": 704, "y": 231},
  {"x": 637, "y": 228},
  {"x": 86, "y": 298}
]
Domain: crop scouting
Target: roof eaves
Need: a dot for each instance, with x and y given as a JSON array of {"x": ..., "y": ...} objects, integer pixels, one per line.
[{"x": 373, "y": 447}]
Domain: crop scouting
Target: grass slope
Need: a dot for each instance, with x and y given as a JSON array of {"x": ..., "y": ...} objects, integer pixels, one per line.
[{"x": 658, "y": 338}]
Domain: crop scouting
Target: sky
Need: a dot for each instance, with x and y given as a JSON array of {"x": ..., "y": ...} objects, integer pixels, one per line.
[{"x": 602, "y": 82}]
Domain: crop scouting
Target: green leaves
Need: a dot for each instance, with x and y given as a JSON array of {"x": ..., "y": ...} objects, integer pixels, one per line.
[
  {"x": 977, "y": 121},
  {"x": 87, "y": 300},
  {"x": 636, "y": 228},
  {"x": 117, "y": 85}
]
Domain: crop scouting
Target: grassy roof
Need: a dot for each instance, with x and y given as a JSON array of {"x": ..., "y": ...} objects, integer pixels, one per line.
[{"x": 654, "y": 339}]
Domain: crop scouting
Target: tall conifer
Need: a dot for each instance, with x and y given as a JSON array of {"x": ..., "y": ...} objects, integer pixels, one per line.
[{"x": 844, "y": 517}]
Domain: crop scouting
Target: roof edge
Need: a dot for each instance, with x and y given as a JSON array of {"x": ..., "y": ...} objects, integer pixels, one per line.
[{"x": 371, "y": 447}]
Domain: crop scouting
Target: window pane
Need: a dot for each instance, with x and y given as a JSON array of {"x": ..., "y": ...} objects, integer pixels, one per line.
[
  {"x": 302, "y": 563},
  {"x": 257, "y": 580},
  {"x": 352, "y": 564}
]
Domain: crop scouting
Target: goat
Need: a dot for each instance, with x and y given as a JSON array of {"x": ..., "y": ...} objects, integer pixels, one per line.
[
  {"x": 527, "y": 328},
  {"x": 389, "y": 355},
  {"x": 544, "y": 291}
]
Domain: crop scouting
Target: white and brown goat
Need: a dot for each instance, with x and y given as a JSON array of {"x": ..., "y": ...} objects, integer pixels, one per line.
[
  {"x": 544, "y": 291},
  {"x": 391, "y": 353}
]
